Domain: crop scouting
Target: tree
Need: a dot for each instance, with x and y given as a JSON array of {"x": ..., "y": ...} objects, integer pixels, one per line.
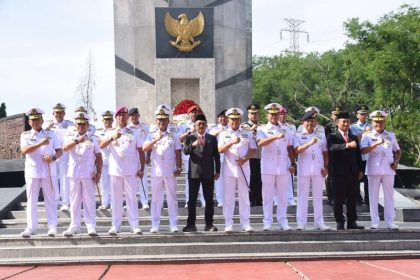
[
  {"x": 84, "y": 91},
  {"x": 379, "y": 66},
  {"x": 3, "y": 113}
]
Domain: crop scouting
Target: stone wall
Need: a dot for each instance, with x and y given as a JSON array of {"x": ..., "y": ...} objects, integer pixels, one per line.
[{"x": 10, "y": 130}]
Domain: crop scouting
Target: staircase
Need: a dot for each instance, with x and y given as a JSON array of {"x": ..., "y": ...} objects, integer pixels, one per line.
[{"x": 201, "y": 246}]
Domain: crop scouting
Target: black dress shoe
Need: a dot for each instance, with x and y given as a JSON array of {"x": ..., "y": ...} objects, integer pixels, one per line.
[
  {"x": 210, "y": 228},
  {"x": 354, "y": 226},
  {"x": 189, "y": 228},
  {"x": 340, "y": 226},
  {"x": 330, "y": 203}
]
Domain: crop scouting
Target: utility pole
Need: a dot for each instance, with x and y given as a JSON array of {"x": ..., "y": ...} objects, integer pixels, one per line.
[{"x": 293, "y": 29}]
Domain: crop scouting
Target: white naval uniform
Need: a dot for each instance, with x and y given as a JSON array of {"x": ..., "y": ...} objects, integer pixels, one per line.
[
  {"x": 275, "y": 173},
  {"x": 233, "y": 175},
  {"x": 163, "y": 162},
  {"x": 123, "y": 167},
  {"x": 378, "y": 170},
  {"x": 143, "y": 130},
  {"x": 81, "y": 169},
  {"x": 309, "y": 166},
  {"x": 218, "y": 184},
  {"x": 61, "y": 186},
  {"x": 184, "y": 128},
  {"x": 105, "y": 180},
  {"x": 37, "y": 176}
]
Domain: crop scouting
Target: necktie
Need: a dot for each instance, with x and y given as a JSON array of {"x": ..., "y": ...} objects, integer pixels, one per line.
[
  {"x": 202, "y": 139},
  {"x": 346, "y": 137}
]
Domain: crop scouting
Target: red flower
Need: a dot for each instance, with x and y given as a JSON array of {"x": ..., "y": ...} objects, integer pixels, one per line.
[{"x": 182, "y": 107}]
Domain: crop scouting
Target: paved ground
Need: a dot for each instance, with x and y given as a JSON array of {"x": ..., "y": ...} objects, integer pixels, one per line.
[{"x": 323, "y": 270}]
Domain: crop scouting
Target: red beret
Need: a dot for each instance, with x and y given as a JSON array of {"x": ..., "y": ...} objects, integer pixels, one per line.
[
  {"x": 192, "y": 108},
  {"x": 121, "y": 109}
]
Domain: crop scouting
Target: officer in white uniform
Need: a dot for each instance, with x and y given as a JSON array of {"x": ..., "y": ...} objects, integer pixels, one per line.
[
  {"x": 238, "y": 147},
  {"x": 107, "y": 120},
  {"x": 85, "y": 168},
  {"x": 41, "y": 148},
  {"x": 186, "y": 128},
  {"x": 143, "y": 130},
  {"x": 384, "y": 155},
  {"x": 277, "y": 163},
  {"x": 166, "y": 165},
  {"x": 312, "y": 167},
  {"x": 222, "y": 125},
  {"x": 59, "y": 126},
  {"x": 125, "y": 148}
]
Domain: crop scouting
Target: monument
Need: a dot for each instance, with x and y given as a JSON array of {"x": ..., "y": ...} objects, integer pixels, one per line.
[{"x": 170, "y": 50}]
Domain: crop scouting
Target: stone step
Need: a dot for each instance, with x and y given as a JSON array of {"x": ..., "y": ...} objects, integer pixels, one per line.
[
  {"x": 164, "y": 237},
  {"x": 182, "y": 211},
  {"x": 211, "y": 258},
  {"x": 208, "y": 248},
  {"x": 145, "y": 220}
]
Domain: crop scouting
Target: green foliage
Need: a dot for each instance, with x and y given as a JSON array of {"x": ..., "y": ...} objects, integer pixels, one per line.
[
  {"x": 3, "y": 110},
  {"x": 380, "y": 67}
]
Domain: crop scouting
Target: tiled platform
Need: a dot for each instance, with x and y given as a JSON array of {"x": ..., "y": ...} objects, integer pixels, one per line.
[{"x": 313, "y": 270}]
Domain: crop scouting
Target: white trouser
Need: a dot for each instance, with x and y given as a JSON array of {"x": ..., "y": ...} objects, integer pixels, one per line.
[
  {"x": 218, "y": 185},
  {"x": 274, "y": 185},
  {"x": 105, "y": 187},
  {"x": 143, "y": 188},
  {"x": 200, "y": 191},
  {"x": 304, "y": 184},
  {"x": 62, "y": 165},
  {"x": 82, "y": 190},
  {"x": 388, "y": 189},
  {"x": 229, "y": 200},
  {"x": 169, "y": 185},
  {"x": 126, "y": 186},
  {"x": 290, "y": 189},
  {"x": 290, "y": 197},
  {"x": 33, "y": 186}
]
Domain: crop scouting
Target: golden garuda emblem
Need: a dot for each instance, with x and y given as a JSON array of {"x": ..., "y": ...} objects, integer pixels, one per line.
[{"x": 184, "y": 30}]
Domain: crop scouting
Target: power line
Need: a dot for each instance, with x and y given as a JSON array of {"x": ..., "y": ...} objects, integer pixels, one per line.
[{"x": 293, "y": 29}]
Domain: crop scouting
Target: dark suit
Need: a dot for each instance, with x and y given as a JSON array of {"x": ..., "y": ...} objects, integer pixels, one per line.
[
  {"x": 345, "y": 165},
  {"x": 204, "y": 162}
]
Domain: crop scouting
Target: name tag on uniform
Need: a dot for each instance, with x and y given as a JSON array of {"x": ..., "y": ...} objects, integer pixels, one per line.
[
  {"x": 270, "y": 132},
  {"x": 244, "y": 135}
]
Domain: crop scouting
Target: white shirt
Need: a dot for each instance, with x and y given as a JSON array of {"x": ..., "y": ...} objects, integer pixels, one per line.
[
  {"x": 311, "y": 161},
  {"x": 236, "y": 151},
  {"x": 142, "y": 128},
  {"x": 380, "y": 159},
  {"x": 275, "y": 156},
  {"x": 163, "y": 156},
  {"x": 292, "y": 127},
  {"x": 123, "y": 157},
  {"x": 35, "y": 166},
  {"x": 83, "y": 156},
  {"x": 101, "y": 134}
]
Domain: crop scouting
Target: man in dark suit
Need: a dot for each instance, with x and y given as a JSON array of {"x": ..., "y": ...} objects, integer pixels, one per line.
[
  {"x": 204, "y": 168},
  {"x": 345, "y": 170}
]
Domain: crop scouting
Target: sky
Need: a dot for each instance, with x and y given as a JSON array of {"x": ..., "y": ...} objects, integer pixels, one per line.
[{"x": 44, "y": 44}]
